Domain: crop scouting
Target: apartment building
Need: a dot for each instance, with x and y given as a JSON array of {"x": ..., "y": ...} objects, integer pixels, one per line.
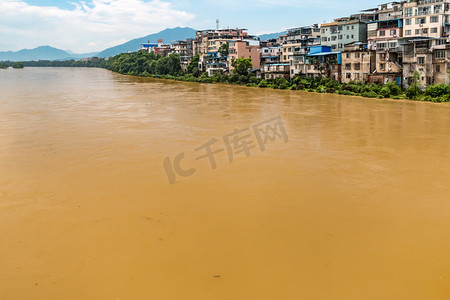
[
  {"x": 427, "y": 18},
  {"x": 272, "y": 71},
  {"x": 343, "y": 31},
  {"x": 430, "y": 58},
  {"x": 270, "y": 55},
  {"x": 210, "y": 40},
  {"x": 298, "y": 41},
  {"x": 358, "y": 62},
  {"x": 387, "y": 29},
  {"x": 247, "y": 48},
  {"x": 321, "y": 61}
]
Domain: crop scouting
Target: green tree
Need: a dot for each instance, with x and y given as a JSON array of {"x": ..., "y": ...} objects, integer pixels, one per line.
[
  {"x": 241, "y": 65},
  {"x": 17, "y": 65},
  {"x": 224, "y": 49},
  {"x": 414, "y": 88},
  {"x": 193, "y": 64},
  {"x": 3, "y": 65}
]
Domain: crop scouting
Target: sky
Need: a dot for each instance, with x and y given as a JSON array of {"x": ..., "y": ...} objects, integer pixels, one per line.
[{"x": 94, "y": 25}]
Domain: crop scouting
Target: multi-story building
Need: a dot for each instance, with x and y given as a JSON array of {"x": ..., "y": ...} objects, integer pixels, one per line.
[
  {"x": 210, "y": 40},
  {"x": 272, "y": 71},
  {"x": 321, "y": 61},
  {"x": 160, "y": 48},
  {"x": 343, "y": 31},
  {"x": 299, "y": 40},
  {"x": 430, "y": 58},
  {"x": 358, "y": 62},
  {"x": 426, "y": 18},
  {"x": 270, "y": 55},
  {"x": 247, "y": 48}
]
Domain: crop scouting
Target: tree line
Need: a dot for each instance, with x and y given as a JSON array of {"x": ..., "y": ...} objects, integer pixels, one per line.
[{"x": 169, "y": 67}]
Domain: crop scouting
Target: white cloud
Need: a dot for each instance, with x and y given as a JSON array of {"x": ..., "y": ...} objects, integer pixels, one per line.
[{"x": 89, "y": 26}]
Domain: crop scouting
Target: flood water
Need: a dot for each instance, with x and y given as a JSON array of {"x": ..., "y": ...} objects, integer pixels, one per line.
[{"x": 356, "y": 205}]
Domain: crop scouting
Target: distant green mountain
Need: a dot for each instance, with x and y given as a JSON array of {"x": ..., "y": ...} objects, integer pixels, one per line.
[
  {"x": 41, "y": 53},
  {"x": 269, "y": 36},
  {"x": 167, "y": 35}
]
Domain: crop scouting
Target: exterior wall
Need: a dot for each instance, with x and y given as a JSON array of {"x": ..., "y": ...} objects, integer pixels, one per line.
[
  {"x": 287, "y": 50},
  {"x": 272, "y": 71},
  {"x": 390, "y": 11},
  {"x": 357, "y": 65},
  {"x": 430, "y": 59},
  {"x": 426, "y": 19},
  {"x": 205, "y": 40},
  {"x": 243, "y": 49},
  {"x": 441, "y": 62},
  {"x": 338, "y": 34},
  {"x": 387, "y": 67}
]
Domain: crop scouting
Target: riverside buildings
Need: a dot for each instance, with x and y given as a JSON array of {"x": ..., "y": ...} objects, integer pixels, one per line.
[{"x": 387, "y": 43}]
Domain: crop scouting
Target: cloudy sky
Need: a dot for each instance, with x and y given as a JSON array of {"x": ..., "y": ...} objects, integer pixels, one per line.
[{"x": 93, "y": 25}]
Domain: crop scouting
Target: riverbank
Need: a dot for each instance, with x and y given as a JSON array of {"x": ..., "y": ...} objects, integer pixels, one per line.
[
  {"x": 436, "y": 93},
  {"x": 151, "y": 65},
  {"x": 155, "y": 66}
]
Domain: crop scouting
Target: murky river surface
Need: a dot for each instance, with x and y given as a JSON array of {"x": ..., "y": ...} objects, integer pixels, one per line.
[{"x": 355, "y": 206}]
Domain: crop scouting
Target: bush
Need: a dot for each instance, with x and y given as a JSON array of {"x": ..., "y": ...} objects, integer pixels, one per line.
[
  {"x": 242, "y": 79},
  {"x": 394, "y": 89},
  {"x": 385, "y": 92},
  {"x": 262, "y": 83},
  {"x": 437, "y": 90},
  {"x": 413, "y": 92},
  {"x": 371, "y": 94}
]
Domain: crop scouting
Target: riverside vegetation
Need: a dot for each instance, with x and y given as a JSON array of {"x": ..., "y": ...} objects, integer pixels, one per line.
[{"x": 152, "y": 65}]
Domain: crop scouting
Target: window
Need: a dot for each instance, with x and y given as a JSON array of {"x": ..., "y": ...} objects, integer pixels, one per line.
[
  {"x": 353, "y": 27},
  {"x": 425, "y": 30},
  {"x": 433, "y": 30},
  {"x": 392, "y": 45},
  {"x": 340, "y": 37},
  {"x": 348, "y": 27},
  {"x": 333, "y": 38},
  {"x": 440, "y": 54},
  {"x": 382, "y": 46},
  {"x": 434, "y": 19},
  {"x": 348, "y": 55},
  {"x": 382, "y": 67},
  {"x": 348, "y": 36},
  {"x": 408, "y": 32},
  {"x": 439, "y": 42},
  {"x": 421, "y": 20},
  {"x": 421, "y": 60},
  {"x": 357, "y": 55},
  {"x": 437, "y": 9},
  {"x": 353, "y": 36},
  {"x": 417, "y": 31},
  {"x": 393, "y": 32},
  {"x": 408, "y": 12},
  {"x": 323, "y": 30},
  {"x": 348, "y": 75},
  {"x": 382, "y": 33},
  {"x": 340, "y": 46},
  {"x": 438, "y": 69},
  {"x": 324, "y": 39},
  {"x": 340, "y": 27},
  {"x": 408, "y": 22},
  {"x": 348, "y": 66}
]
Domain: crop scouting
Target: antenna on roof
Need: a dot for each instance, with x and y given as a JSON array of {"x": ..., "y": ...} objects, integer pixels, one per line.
[{"x": 217, "y": 24}]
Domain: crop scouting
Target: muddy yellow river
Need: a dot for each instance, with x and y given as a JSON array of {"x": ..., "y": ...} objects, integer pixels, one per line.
[{"x": 115, "y": 187}]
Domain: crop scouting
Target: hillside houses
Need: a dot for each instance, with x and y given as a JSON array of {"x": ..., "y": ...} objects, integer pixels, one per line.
[{"x": 387, "y": 43}]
